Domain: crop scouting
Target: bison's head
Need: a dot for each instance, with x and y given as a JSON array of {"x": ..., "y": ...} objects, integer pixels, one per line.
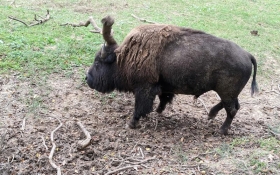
[{"x": 100, "y": 75}]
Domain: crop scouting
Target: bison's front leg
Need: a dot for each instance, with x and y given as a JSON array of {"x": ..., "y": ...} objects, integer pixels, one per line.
[
  {"x": 144, "y": 98},
  {"x": 164, "y": 99}
]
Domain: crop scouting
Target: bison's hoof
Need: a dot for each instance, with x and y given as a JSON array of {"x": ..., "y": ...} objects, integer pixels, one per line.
[
  {"x": 159, "y": 110},
  {"x": 223, "y": 131},
  {"x": 211, "y": 116},
  {"x": 134, "y": 125}
]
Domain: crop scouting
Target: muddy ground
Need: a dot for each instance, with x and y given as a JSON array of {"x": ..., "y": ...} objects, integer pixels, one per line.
[{"x": 179, "y": 141}]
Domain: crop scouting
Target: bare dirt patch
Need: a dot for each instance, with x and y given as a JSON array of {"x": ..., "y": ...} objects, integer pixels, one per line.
[{"x": 179, "y": 141}]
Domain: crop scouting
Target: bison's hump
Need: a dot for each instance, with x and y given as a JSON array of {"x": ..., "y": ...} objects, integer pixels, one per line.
[{"x": 137, "y": 55}]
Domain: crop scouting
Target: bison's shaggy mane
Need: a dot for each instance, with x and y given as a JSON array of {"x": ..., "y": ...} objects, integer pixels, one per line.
[{"x": 137, "y": 55}]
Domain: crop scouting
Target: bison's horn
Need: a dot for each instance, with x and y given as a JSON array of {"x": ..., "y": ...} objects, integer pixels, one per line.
[
  {"x": 107, "y": 22},
  {"x": 103, "y": 52}
]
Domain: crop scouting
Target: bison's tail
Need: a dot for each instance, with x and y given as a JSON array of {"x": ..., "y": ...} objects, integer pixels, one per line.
[{"x": 254, "y": 86}]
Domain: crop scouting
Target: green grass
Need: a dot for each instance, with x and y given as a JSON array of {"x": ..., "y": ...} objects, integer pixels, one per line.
[
  {"x": 51, "y": 48},
  {"x": 224, "y": 150},
  {"x": 270, "y": 144},
  {"x": 259, "y": 155}
]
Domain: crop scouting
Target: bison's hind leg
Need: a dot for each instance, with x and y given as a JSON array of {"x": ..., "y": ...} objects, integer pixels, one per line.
[
  {"x": 231, "y": 107},
  {"x": 164, "y": 99},
  {"x": 214, "y": 111}
]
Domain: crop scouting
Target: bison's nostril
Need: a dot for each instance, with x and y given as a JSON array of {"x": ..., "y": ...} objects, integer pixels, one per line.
[{"x": 86, "y": 77}]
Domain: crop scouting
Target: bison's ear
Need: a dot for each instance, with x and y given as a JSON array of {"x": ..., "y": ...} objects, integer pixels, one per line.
[
  {"x": 107, "y": 22},
  {"x": 107, "y": 53},
  {"x": 110, "y": 58}
]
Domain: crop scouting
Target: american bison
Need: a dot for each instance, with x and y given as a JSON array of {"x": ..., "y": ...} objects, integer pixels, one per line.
[{"x": 165, "y": 60}]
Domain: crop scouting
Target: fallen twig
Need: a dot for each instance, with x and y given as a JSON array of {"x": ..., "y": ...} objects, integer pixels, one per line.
[
  {"x": 37, "y": 21},
  {"x": 203, "y": 105},
  {"x": 186, "y": 166},
  {"x": 85, "y": 24},
  {"x": 141, "y": 152},
  {"x": 143, "y": 20},
  {"x": 13, "y": 18},
  {"x": 131, "y": 161},
  {"x": 121, "y": 169},
  {"x": 83, "y": 143},
  {"x": 2, "y": 141},
  {"x": 11, "y": 160},
  {"x": 44, "y": 143},
  {"x": 137, "y": 161},
  {"x": 217, "y": 96},
  {"x": 156, "y": 124},
  {"x": 53, "y": 149},
  {"x": 275, "y": 134},
  {"x": 273, "y": 91},
  {"x": 23, "y": 124},
  {"x": 134, "y": 147}
]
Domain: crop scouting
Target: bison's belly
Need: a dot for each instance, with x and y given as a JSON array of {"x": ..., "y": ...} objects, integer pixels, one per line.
[{"x": 190, "y": 85}]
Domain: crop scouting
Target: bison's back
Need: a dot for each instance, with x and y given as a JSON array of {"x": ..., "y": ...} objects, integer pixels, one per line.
[
  {"x": 141, "y": 50},
  {"x": 200, "y": 62}
]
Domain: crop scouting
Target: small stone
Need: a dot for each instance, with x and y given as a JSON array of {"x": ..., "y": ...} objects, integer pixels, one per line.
[{"x": 202, "y": 172}]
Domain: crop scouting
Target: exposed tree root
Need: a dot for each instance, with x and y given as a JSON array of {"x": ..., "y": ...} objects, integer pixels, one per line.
[
  {"x": 53, "y": 149},
  {"x": 83, "y": 143}
]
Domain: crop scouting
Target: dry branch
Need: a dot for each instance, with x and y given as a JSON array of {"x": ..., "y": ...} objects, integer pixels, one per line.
[
  {"x": 44, "y": 143},
  {"x": 156, "y": 125},
  {"x": 2, "y": 141},
  {"x": 121, "y": 169},
  {"x": 132, "y": 163},
  {"x": 53, "y": 149},
  {"x": 36, "y": 20},
  {"x": 141, "y": 152},
  {"x": 23, "y": 124},
  {"x": 13, "y": 18},
  {"x": 217, "y": 97},
  {"x": 201, "y": 101},
  {"x": 273, "y": 91},
  {"x": 83, "y": 143},
  {"x": 85, "y": 24},
  {"x": 143, "y": 20}
]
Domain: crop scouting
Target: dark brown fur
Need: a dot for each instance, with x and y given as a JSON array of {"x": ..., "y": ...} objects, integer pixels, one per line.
[{"x": 139, "y": 53}]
